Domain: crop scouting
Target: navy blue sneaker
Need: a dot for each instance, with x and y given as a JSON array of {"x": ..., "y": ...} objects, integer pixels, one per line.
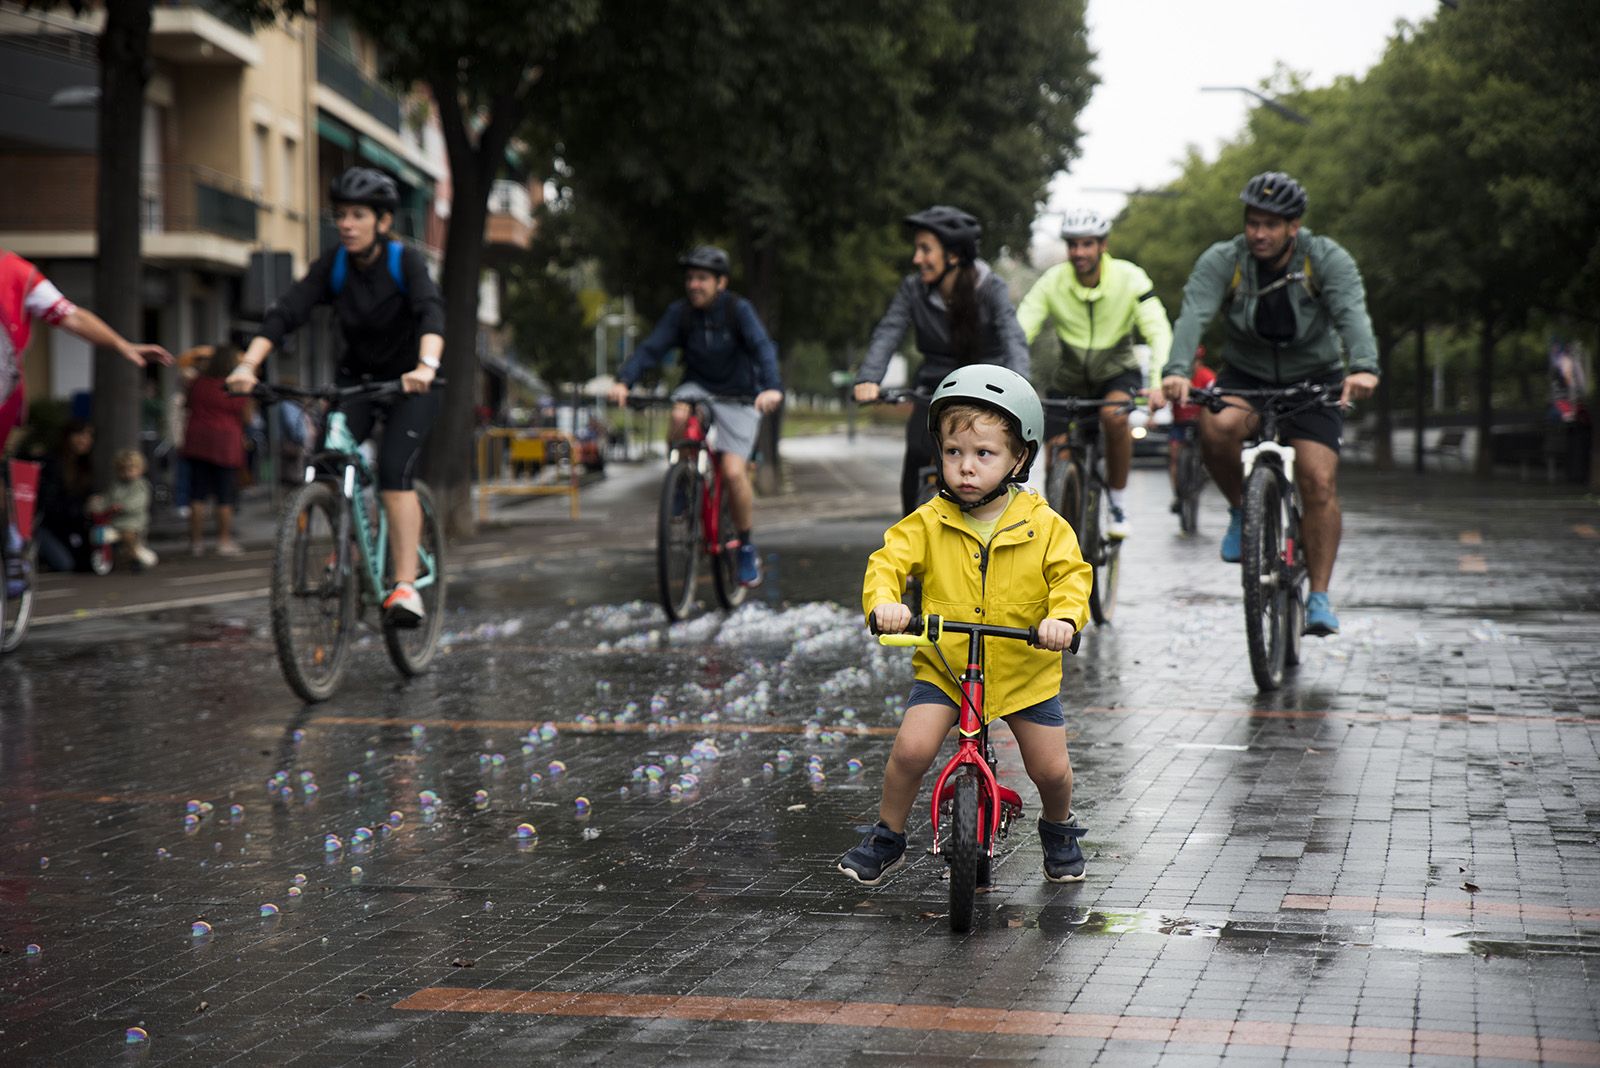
[
  {"x": 749, "y": 565},
  {"x": 1320, "y": 620},
  {"x": 1063, "y": 859},
  {"x": 880, "y": 852},
  {"x": 1231, "y": 551}
]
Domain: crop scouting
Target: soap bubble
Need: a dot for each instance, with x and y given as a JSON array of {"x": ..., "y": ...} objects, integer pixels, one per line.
[
  {"x": 362, "y": 836},
  {"x": 192, "y": 806},
  {"x": 299, "y": 735},
  {"x": 32, "y": 949},
  {"x": 354, "y": 778},
  {"x": 417, "y": 731},
  {"x": 191, "y": 823},
  {"x": 269, "y": 909},
  {"x": 396, "y": 818},
  {"x": 356, "y": 872},
  {"x": 295, "y": 891},
  {"x": 535, "y": 780},
  {"x": 556, "y": 768},
  {"x": 488, "y": 906},
  {"x": 547, "y": 732},
  {"x": 299, "y": 880},
  {"x": 498, "y": 760},
  {"x": 44, "y": 862},
  {"x": 236, "y": 813},
  {"x": 480, "y": 799},
  {"x": 654, "y": 772},
  {"x": 332, "y": 844},
  {"x": 135, "y": 1035},
  {"x": 582, "y": 805},
  {"x": 199, "y": 929},
  {"x": 161, "y": 853},
  {"x": 766, "y": 769},
  {"x": 853, "y": 766},
  {"x": 428, "y": 798}
]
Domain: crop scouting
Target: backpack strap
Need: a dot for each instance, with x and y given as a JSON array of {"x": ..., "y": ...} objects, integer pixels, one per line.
[
  {"x": 1307, "y": 279},
  {"x": 395, "y": 249},
  {"x": 341, "y": 268}
]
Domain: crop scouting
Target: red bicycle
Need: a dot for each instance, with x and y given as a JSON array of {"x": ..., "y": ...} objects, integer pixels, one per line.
[
  {"x": 971, "y": 810},
  {"x": 696, "y": 517}
]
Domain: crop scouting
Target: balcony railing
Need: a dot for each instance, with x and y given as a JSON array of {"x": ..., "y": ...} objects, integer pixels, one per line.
[
  {"x": 179, "y": 198},
  {"x": 337, "y": 69},
  {"x": 216, "y": 9}
]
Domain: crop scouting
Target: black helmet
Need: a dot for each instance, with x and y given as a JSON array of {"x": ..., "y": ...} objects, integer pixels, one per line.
[
  {"x": 363, "y": 185},
  {"x": 1276, "y": 192},
  {"x": 707, "y": 258},
  {"x": 957, "y": 230}
]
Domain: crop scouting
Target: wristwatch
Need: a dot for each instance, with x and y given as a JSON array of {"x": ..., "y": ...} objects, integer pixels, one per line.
[{"x": 431, "y": 362}]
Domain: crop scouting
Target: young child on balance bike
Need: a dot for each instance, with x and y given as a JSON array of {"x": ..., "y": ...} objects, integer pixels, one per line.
[{"x": 986, "y": 550}]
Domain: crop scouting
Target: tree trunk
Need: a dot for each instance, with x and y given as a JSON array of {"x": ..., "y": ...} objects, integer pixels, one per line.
[
  {"x": 118, "y": 278},
  {"x": 1383, "y": 440},
  {"x": 473, "y": 166},
  {"x": 762, "y": 276},
  {"x": 1422, "y": 394},
  {"x": 1484, "y": 465}
]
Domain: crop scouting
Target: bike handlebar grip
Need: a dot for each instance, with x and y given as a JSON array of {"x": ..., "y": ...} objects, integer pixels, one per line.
[
  {"x": 904, "y": 639},
  {"x": 1077, "y": 636}
]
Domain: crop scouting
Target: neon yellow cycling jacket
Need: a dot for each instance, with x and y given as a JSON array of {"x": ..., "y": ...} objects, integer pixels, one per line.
[{"x": 1096, "y": 325}]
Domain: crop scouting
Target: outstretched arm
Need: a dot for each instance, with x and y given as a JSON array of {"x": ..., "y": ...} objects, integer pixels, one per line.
[{"x": 93, "y": 329}]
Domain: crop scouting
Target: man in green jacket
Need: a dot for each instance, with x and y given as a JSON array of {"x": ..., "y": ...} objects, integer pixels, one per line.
[
  {"x": 1095, "y": 303},
  {"x": 1294, "y": 308}
]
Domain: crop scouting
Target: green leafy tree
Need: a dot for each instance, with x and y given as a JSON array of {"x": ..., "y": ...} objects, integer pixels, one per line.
[{"x": 489, "y": 64}]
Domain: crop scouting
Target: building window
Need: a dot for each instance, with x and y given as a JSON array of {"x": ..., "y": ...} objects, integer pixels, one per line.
[
  {"x": 289, "y": 195},
  {"x": 258, "y": 161}
]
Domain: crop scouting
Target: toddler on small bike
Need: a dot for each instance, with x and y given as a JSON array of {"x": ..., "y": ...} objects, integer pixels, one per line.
[{"x": 984, "y": 549}]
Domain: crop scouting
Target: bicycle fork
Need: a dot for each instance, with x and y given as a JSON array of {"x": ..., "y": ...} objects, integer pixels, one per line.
[{"x": 974, "y": 756}]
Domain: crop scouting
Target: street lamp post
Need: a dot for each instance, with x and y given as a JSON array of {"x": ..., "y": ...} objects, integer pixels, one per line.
[{"x": 1271, "y": 104}]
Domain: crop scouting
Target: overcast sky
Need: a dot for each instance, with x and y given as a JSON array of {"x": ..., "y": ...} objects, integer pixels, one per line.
[{"x": 1154, "y": 55}]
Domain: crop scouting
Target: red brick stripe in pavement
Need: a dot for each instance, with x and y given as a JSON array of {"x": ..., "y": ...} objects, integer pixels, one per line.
[
  {"x": 1102, "y": 1026},
  {"x": 574, "y": 727}
]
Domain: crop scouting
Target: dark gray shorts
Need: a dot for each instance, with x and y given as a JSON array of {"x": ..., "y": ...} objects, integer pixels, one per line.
[{"x": 1046, "y": 713}]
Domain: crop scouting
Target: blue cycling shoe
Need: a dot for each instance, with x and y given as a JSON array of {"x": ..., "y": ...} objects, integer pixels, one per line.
[
  {"x": 1320, "y": 620},
  {"x": 1230, "y": 541},
  {"x": 880, "y": 852},
  {"x": 749, "y": 566}
]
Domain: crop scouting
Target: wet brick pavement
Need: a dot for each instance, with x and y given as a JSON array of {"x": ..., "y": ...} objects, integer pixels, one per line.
[{"x": 1392, "y": 860}]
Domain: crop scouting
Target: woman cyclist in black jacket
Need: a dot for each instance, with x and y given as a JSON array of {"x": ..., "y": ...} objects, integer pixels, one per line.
[{"x": 391, "y": 315}]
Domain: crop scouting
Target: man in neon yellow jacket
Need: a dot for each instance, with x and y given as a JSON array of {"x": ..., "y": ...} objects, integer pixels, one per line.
[{"x": 1096, "y": 303}]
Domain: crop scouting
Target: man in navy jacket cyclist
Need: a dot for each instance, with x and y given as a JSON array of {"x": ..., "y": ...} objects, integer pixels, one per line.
[{"x": 726, "y": 353}]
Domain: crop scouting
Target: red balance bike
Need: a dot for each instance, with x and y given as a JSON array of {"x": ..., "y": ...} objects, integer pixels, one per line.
[{"x": 971, "y": 810}]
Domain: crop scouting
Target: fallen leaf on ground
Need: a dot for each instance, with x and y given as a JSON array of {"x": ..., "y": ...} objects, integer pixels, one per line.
[{"x": 1471, "y": 888}]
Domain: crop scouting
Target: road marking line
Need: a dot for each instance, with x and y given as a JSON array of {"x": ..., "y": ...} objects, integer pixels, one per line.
[
  {"x": 1429, "y": 908},
  {"x": 219, "y": 576},
  {"x": 1472, "y": 564},
  {"x": 983, "y": 1020},
  {"x": 196, "y": 601}
]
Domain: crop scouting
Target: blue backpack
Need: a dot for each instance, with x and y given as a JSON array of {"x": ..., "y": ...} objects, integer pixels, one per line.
[{"x": 341, "y": 267}]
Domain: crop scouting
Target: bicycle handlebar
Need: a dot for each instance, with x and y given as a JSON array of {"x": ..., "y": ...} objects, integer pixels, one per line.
[
  {"x": 269, "y": 393},
  {"x": 650, "y": 400},
  {"x": 898, "y": 396},
  {"x": 1083, "y": 404},
  {"x": 1308, "y": 393},
  {"x": 926, "y": 630}
]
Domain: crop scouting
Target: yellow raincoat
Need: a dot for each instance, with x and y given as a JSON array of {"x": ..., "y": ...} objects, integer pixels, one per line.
[{"x": 1031, "y": 570}]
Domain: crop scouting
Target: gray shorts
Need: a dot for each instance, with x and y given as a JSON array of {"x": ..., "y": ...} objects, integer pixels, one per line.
[{"x": 736, "y": 424}]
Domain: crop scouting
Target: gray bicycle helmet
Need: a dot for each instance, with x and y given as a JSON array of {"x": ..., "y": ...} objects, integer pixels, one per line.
[
  {"x": 1276, "y": 192},
  {"x": 1084, "y": 222},
  {"x": 363, "y": 185},
  {"x": 707, "y": 258},
  {"x": 1007, "y": 393},
  {"x": 958, "y": 231}
]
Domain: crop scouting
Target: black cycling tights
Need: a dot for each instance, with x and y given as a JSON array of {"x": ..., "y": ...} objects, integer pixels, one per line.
[
  {"x": 920, "y": 453},
  {"x": 407, "y": 419}
]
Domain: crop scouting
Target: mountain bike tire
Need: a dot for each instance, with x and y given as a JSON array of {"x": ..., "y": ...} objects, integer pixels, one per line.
[
  {"x": 1299, "y": 592},
  {"x": 411, "y": 649},
  {"x": 1103, "y": 554},
  {"x": 16, "y": 612},
  {"x": 725, "y": 561},
  {"x": 313, "y": 593},
  {"x": 962, "y": 853},
  {"x": 1191, "y": 480},
  {"x": 1265, "y": 595},
  {"x": 678, "y": 545}
]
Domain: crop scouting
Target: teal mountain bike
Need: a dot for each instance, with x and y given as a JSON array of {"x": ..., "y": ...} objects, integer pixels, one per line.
[{"x": 331, "y": 562}]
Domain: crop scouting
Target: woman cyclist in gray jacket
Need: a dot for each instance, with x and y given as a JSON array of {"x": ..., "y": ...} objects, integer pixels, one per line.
[{"x": 961, "y": 312}]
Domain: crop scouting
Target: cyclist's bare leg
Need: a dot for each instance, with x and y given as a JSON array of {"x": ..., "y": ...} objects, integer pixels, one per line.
[
  {"x": 1172, "y": 465},
  {"x": 741, "y": 497},
  {"x": 224, "y": 524},
  {"x": 1222, "y": 435},
  {"x": 922, "y": 732},
  {"x": 1044, "y": 754},
  {"x": 1119, "y": 441},
  {"x": 1316, "y": 468},
  {"x": 405, "y": 532},
  {"x": 677, "y": 422}
]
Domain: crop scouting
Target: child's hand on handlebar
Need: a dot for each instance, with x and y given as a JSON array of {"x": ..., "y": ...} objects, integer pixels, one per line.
[
  {"x": 892, "y": 617},
  {"x": 1055, "y": 634}
]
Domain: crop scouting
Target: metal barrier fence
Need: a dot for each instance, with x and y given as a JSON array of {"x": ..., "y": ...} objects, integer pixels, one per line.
[{"x": 511, "y": 460}]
